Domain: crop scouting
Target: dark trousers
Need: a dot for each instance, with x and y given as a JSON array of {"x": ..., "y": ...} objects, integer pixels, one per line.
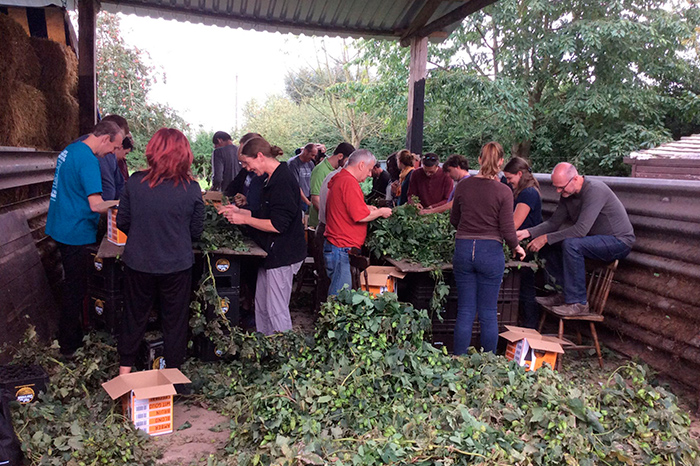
[
  {"x": 140, "y": 293},
  {"x": 530, "y": 311},
  {"x": 75, "y": 273},
  {"x": 323, "y": 282},
  {"x": 478, "y": 271},
  {"x": 566, "y": 261}
]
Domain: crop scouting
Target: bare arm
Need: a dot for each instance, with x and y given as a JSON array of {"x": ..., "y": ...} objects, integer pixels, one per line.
[
  {"x": 243, "y": 217},
  {"x": 437, "y": 210},
  {"x": 304, "y": 198},
  {"x": 521, "y": 212},
  {"x": 376, "y": 213},
  {"x": 316, "y": 201},
  {"x": 95, "y": 200}
]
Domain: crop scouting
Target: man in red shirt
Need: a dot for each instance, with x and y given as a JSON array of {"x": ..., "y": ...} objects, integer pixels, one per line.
[
  {"x": 347, "y": 216},
  {"x": 430, "y": 183}
]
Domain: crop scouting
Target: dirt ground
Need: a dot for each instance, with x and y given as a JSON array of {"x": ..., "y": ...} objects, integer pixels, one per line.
[{"x": 208, "y": 433}]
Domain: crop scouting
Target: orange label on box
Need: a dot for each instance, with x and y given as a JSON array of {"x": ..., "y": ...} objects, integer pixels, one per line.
[
  {"x": 160, "y": 412},
  {"x": 163, "y": 404},
  {"x": 159, "y": 420},
  {"x": 160, "y": 429}
]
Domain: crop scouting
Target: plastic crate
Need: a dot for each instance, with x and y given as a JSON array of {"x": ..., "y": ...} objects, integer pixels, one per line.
[
  {"x": 106, "y": 274},
  {"x": 105, "y": 310},
  {"x": 203, "y": 347},
  {"x": 22, "y": 382},
  {"x": 151, "y": 353}
]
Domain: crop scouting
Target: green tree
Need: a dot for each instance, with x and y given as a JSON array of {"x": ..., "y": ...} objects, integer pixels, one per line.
[
  {"x": 580, "y": 81},
  {"x": 202, "y": 146},
  {"x": 124, "y": 80}
]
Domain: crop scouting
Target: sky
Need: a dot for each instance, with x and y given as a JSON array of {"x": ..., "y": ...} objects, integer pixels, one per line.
[{"x": 201, "y": 63}]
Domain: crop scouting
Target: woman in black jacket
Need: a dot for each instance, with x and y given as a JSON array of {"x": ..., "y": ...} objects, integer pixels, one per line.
[
  {"x": 161, "y": 211},
  {"x": 280, "y": 233}
]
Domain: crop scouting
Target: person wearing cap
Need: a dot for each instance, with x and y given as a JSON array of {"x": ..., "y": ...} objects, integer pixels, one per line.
[{"x": 430, "y": 183}]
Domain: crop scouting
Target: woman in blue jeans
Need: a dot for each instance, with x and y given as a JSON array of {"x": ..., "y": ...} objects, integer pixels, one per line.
[{"x": 482, "y": 213}]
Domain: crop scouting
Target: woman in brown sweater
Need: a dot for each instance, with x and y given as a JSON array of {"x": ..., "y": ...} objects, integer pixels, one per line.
[{"x": 482, "y": 212}]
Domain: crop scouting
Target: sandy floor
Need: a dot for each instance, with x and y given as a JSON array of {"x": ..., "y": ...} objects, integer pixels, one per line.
[{"x": 208, "y": 433}]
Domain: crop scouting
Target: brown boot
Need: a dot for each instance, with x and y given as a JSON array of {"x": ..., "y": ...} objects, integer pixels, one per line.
[
  {"x": 572, "y": 309},
  {"x": 556, "y": 299}
]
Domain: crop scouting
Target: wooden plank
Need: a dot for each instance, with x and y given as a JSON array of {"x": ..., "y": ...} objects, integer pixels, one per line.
[
  {"x": 454, "y": 16},
  {"x": 55, "y": 28},
  {"x": 109, "y": 250},
  {"x": 407, "y": 266},
  {"x": 87, "y": 76},
  {"x": 420, "y": 20},
  {"x": 416, "y": 94}
]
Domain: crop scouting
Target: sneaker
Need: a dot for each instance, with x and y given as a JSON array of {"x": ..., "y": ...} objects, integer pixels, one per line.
[
  {"x": 572, "y": 309},
  {"x": 556, "y": 299}
]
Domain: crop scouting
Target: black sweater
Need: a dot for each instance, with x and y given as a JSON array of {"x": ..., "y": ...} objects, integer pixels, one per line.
[
  {"x": 281, "y": 203},
  {"x": 160, "y": 224}
]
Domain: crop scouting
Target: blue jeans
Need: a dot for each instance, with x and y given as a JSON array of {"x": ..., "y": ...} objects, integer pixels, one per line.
[
  {"x": 478, "y": 270},
  {"x": 566, "y": 261},
  {"x": 337, "y": 266}
]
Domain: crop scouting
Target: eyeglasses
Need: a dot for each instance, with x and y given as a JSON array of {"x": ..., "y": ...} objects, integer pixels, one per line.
[{"x": 562, "y": 188}]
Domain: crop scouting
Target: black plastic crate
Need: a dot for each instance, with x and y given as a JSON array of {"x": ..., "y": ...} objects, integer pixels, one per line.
[
  {"x": 106, "y": 274},
  {"x": 22, "y": 382},
  {"x": 203, "y": 347},
  {"x": 105, "y": 310},
  {"x": 151, "y": 354}
]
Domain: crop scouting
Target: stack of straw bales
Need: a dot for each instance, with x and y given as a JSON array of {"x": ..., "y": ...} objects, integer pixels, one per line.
[
  {"x": 59, "y": 83},
  {"x": 23, "y": 120},
  {"x": 38, "y": 85}
]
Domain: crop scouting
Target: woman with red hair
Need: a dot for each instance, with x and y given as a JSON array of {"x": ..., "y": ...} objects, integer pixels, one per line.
[{"x": 162, "y": 212}]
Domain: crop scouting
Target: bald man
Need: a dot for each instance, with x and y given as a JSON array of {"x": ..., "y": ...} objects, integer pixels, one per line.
[{"x": 589, "y": 222}]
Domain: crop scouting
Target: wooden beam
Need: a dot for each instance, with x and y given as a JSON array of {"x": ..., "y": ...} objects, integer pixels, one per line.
[
  {"x": 420, "y": 20},
  {"x": 454, "y": 16},
  {"x": 87, "y": 79},
  {"x": 416, "y": 94}
]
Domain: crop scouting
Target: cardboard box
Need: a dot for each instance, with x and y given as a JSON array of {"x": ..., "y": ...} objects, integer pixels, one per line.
[
  {"x": 150, "y": 404},
  {"x": 213, "y": 197},
  {"x": 114, "y": 234},
  {"x": 528, "y": 348},
  {"x": 380, "y": 279}
]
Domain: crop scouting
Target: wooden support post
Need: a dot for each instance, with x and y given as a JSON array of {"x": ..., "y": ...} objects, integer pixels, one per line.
[
  {"x": 87, "y": 79},
  {"x": 416, "y": 94}
]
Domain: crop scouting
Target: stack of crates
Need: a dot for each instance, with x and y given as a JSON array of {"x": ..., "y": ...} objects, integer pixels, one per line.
[
  {"x": 420, "y": 291},
  {"x": 105, "y": 291},
  {"x": 227, "y": 276}
]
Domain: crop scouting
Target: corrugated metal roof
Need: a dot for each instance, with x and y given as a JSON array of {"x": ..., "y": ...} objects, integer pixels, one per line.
[
  {"x": 381, "y": 19},
  {"x": 687, "y": 148}
]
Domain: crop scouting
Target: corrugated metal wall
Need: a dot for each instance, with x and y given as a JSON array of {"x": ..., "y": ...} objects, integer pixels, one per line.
[
  {"x": 654, "y": 307},
  {"x": 25, "y": 185}
]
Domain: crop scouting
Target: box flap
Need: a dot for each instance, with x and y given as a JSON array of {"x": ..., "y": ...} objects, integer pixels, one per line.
[
  {"x": 174, "y": 376},
  {"x": 512, "y": 336},
  {"x": 152, "y": 392},
  {"x": 525, "y": 330},
  {"x": 215, "y": 196},
  {"x": 378, "y": 275},
  {"x": 116, "y": 387},
  {"x": 544, "y": 345},
  {"x": 145, "y": 383}
]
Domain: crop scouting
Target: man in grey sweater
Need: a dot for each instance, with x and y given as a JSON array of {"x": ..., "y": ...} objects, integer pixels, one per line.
[
  {"x": 224, "y": 161},
  {"x": 590, "y": 221}
]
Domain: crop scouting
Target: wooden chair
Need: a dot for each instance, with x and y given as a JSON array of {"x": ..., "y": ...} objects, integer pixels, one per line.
[
  {"x": 599, "y": 283},
  {"x": 358, "y": 266}
]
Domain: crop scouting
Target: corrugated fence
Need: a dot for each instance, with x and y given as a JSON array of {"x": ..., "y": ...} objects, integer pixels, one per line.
[
  {"x": 25, "y": 185},
  {"x": 654, "y": 307}
]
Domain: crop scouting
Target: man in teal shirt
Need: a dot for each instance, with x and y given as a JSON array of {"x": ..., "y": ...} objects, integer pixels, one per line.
[{"x": 75, "y": 206}]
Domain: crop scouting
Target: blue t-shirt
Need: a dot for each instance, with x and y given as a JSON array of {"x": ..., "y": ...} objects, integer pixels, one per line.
[
  {"x": 531, "y": 198},
  {"x": 70, "y": 219}
]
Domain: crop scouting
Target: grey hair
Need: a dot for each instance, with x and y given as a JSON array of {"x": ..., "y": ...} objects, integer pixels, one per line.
[
  {"x": 568, "y": 170},
  {"x": 361, "y": 155}
]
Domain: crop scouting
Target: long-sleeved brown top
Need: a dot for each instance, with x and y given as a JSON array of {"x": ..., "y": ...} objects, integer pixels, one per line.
[{"x": 483, "y": 209}]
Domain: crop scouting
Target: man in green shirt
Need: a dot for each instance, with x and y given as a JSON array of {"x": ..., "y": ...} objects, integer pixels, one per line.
[
  {"x": 321, "y": 171},
  {"x": 340, "y": 155}
]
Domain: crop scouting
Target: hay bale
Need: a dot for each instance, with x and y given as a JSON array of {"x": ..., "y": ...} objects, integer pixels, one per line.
[
  {"x": 63, "y": 127},
  {"x": 18, "y": 60},
  {"x": 59, "y": 66},
  {"x": 23, "y": 118}
]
